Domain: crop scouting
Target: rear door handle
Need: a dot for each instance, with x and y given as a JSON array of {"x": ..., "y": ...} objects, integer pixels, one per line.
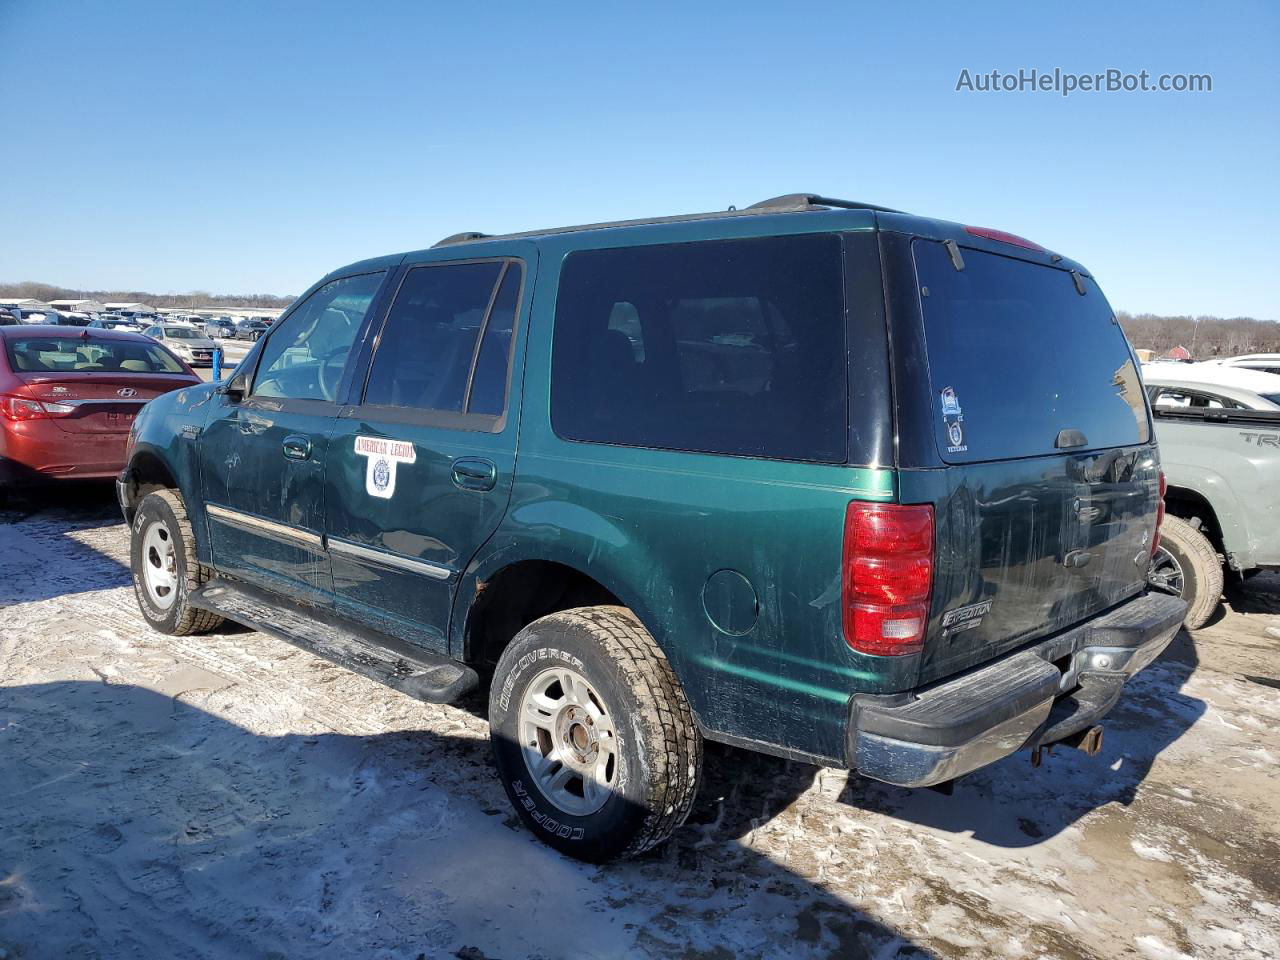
[
  {"x": 474, "y": 473},
  {"x": 296, "y": 447}
]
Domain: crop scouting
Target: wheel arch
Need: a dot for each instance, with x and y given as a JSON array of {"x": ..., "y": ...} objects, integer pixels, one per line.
[
  {"x": 146, "y": 472},
  {"x": 509, "y": 588},
  {"x": 1219, "y": 522},
  {"x": 151, "y": 468}
]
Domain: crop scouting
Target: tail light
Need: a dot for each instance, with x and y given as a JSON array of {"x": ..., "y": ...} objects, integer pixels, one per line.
[
  {"x": 887, "y": 577},
  {"x": 1155, "y": 537},
  {"x": 22, "y": 408}
]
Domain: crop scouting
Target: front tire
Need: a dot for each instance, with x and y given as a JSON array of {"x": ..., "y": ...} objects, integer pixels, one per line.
[
  {"x": 592, "y": 735},
  {"x": 1186, "y": 564},
  {"x": 162, "y": 555}
]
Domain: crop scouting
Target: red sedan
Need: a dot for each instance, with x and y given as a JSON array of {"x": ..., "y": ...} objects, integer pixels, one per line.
[{"x": 69, "y": 395}]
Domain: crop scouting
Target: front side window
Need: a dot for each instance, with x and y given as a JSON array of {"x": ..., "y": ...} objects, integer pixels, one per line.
[
  {"x": 446, "y": 344},
  {"x": 728, "y": 346},
  {"x": 304, "y": 358}
]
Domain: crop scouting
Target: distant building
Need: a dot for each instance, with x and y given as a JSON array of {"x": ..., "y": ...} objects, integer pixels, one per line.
[
  {"x": 78, "y": 306},
  {"x": 130, "y": 308},
  {"x": 1179, "y": 353},
  {"x": 24, "y": 303}
]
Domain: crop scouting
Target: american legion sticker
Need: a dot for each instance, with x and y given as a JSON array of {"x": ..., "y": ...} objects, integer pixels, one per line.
[{"x": 382, "y": 457}]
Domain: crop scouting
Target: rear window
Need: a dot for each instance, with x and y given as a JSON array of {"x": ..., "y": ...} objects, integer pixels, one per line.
[
  {"x": 80, "y": 355},
  {"x": 1017, "y": 356},
  {"x": 729, "y": 346}
]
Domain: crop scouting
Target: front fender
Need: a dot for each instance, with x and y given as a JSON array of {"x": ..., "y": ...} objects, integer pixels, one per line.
[{"x": 164, "y": 451}]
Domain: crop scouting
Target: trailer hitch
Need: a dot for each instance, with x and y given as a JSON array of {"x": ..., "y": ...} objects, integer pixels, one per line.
[{"x": 1089, "y": 740}]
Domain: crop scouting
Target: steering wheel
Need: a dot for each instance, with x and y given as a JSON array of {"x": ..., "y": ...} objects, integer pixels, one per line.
[{"x": 329, "y": 373}]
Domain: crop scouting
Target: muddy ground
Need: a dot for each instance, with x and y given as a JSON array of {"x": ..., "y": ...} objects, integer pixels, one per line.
[{"x": 229, "y": 796}]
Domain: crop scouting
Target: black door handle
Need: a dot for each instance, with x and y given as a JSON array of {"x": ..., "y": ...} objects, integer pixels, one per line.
[
  {"x": 296, "y": 447},
  {"x": 474, "y": 473}
]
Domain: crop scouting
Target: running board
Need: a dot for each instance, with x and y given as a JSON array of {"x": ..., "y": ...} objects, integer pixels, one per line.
[{"x": 411, "y": 670}]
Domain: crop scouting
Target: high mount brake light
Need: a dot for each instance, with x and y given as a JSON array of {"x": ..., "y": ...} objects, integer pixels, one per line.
[
  {"x": 1000, "y": 236},
  {"x": 887, "y": 576},
  {"x": 1155, "y": 537}
]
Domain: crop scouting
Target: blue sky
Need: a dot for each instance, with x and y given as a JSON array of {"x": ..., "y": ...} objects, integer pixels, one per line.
[{"x": 252, "y": 147}]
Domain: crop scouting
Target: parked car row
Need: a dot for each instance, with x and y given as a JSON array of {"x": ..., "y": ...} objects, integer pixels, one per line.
[{"x": 223, "y": 327}]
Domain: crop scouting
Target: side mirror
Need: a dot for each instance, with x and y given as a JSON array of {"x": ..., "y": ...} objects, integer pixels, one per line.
[{"x": 236, "y": 388}]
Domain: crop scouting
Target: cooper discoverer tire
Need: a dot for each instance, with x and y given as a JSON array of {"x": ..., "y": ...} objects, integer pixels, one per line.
[
  {"x": 592, "y": 735},
  {"x": 1195, "y": 559},
  {"x": 162, "y": 555}
]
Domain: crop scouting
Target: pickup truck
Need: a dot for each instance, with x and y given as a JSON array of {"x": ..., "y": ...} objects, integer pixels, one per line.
[{"x": 1219, "y": 442}]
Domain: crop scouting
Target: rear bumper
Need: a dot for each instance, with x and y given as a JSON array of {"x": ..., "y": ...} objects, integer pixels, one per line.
[
  {"x": 39, "y": 451},
  {"x": 1037, "y": 696}
]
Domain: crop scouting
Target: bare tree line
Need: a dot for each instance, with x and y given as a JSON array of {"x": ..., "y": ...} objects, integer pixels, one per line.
[
  {"x": 196, "y": 298},
  {"x": 1204, "y": 336}
]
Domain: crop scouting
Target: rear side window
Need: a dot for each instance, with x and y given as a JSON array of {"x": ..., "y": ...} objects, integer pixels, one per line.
[
  {"x": 1017, "y": 355},
  {"x": 446, "y": 344},
  {"x": 1176, "y": 397},
  {"x": 727, "y": 346},
  {"x": 81, "y": 355}
]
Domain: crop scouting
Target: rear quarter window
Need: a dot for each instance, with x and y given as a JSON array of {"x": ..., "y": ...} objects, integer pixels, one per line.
[
  {"x": 729, "y": 346},
  {"x": 1017, "y": 355}
]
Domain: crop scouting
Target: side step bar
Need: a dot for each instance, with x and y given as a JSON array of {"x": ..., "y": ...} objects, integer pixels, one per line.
[{"x": 411, "y": 670}]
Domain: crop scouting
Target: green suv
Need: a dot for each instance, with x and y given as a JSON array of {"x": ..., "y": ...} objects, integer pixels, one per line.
[{"x": 812, "y": 477}]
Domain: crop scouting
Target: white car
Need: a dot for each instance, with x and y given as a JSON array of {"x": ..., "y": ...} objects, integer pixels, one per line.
[
  {"x": 185, "y": 341},
  {"x": 1211, "y": 385},
  {"x": 1262, "y": 362}
]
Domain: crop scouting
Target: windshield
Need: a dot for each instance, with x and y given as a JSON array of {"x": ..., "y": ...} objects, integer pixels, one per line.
[
  {"x": 183, "y": 333},
  {"x": 80, "y": 355},
  {"x": 1020, "y": 363}
]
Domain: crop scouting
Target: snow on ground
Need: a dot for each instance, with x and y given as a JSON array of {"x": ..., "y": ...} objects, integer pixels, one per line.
[{"x": 230, "y": 796}]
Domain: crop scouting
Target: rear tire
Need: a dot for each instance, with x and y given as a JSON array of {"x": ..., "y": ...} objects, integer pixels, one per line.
[
  {"x": 593, "y": 738},
  {"x": 1188, "y": 555},
  {"x": 162, "y": 554}
]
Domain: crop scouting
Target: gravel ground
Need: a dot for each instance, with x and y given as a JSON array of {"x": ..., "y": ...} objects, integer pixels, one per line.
[{"x": 230, "y": 796}]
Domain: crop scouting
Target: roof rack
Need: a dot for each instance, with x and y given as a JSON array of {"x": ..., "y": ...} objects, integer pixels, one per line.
[
  {"x": 792, "y": 201},
  {"x": 787, "y": 203},
  {"x": 461, "y": 238}
]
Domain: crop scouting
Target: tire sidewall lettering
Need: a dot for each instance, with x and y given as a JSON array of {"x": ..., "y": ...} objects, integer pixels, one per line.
[{"x": 526, "y": 794}]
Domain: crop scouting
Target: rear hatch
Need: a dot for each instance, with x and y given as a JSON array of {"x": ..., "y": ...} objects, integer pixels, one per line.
[{"x": 1046, "y": 509}]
